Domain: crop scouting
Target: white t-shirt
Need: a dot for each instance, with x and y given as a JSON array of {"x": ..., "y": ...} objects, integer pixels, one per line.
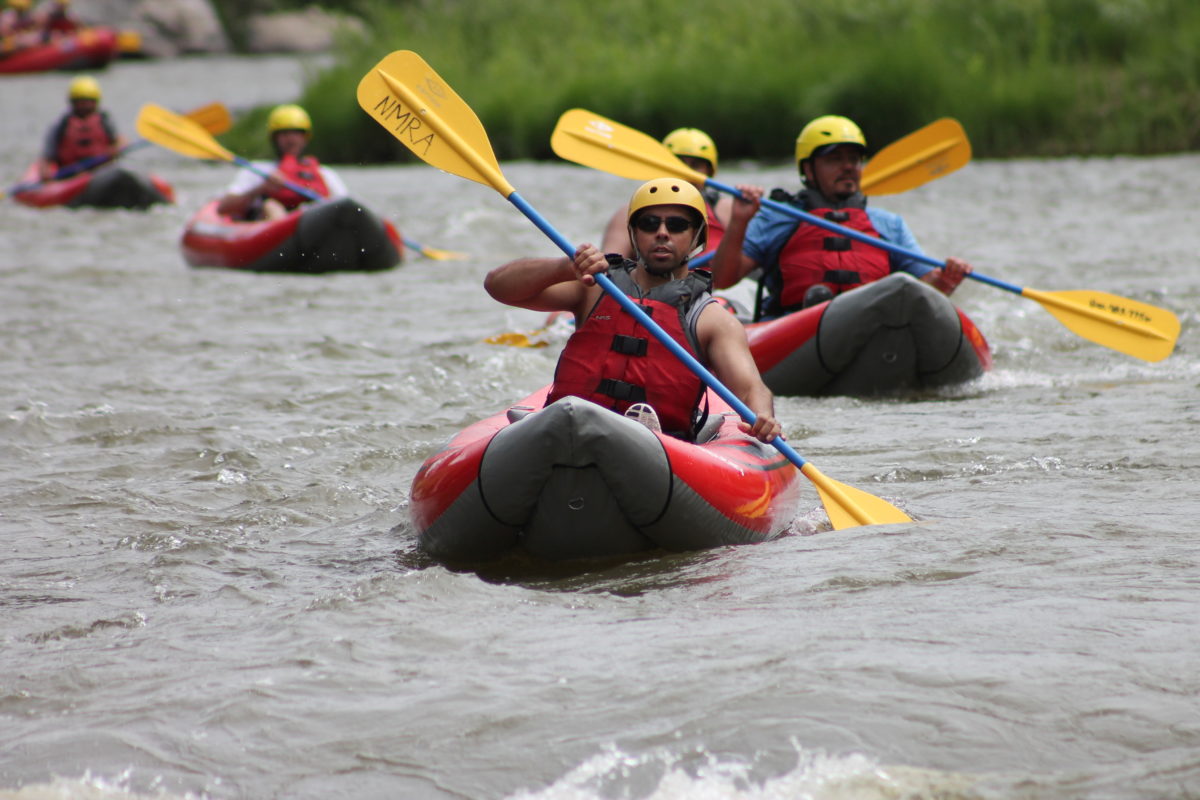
[{"x": 247, "y": 179}]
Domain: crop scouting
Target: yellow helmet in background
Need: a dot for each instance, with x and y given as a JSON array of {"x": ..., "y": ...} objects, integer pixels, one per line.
[
  {"x": 694, "y": 143},
  {"x": 288, "y": 117},
  {"x": 85, "y": 87},
  {"x": 827, "y": 130},
  {"x": 667, "y": 192},
  {"x": 20, "y": 5}
]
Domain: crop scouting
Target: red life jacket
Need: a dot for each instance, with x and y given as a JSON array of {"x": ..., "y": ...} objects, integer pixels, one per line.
[
  {"x": 304, "y": 171},
  {"x": 60, "y": 22},
  {"x": 613, "y": 361},
  {"x": 82, "y": 137},
  {"x": 716, "y": 228},
  {"x": 817, "y": 255}
]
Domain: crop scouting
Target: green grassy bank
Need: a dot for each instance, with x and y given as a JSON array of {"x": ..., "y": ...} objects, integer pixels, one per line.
[{"x": 1025, "y": 77}]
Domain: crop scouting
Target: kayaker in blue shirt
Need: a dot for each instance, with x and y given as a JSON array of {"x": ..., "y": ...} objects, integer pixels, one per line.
[{"x": 804, "y": 264}]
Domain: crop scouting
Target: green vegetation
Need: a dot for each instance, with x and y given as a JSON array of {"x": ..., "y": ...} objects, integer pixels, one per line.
[{"x": 1025, "y": 77}]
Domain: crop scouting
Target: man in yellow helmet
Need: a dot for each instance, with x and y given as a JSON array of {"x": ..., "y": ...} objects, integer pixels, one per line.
[
  {"x": 804, "y": 264},
  {"x": 84, "y": 132},
  {"x": 613, "y": 361},
  {"x": 250, "y": 196},
  {"x": 695, "y": 148}
]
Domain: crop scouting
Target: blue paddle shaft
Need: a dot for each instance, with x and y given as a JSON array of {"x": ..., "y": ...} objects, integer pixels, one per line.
[
  {"x": 646, "y": 322},
  {"x": 873, "y": 241}
]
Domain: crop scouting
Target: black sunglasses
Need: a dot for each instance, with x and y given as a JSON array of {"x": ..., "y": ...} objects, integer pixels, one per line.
[{"x": 648, "y": 223}]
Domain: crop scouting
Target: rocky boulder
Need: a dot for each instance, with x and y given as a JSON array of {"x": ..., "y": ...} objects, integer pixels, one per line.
[
  {"x": 309, "y": 31},
  {"x": 176, "y": 27}
]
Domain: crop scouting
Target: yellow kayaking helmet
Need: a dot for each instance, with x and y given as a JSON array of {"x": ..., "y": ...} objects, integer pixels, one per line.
[
  {"x": 694, "y": 143},
  {"x": 20, "y": 5},
  {"x": 288, "y": 117},
  {"x": 669, "y": 192},
  {"x": 85, "y": 87},
  {"x": 824, "y": 131}
]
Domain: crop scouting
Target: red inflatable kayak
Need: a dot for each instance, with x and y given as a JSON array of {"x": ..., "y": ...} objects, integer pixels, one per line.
[
  {"x": 575, "y": 480},
  {"x": 110, "y": 186},
  {"x": 332, "y": 236},
  {"x": 896, "y": 334},
  {"x": 87, "y": 48}
]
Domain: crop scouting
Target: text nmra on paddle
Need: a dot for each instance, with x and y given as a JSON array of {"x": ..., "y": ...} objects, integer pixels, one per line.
[{"x": 405, "y": 123}]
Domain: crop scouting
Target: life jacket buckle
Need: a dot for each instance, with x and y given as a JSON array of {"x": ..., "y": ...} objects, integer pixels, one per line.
[{"x": 629, "y": 345}]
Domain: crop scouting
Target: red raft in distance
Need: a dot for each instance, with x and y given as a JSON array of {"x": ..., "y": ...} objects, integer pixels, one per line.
[
  {"x": 84, "y": 49},
  {"x": 110, "y": 186},
  {"x": 331, "y": 236}
]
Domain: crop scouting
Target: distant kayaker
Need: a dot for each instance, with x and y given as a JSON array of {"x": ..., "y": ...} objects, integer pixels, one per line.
[
  {"x": 57, "y": 19},
  {"x": 250, "y": 196},
  {"x": 613, "y": 361},
  {"x": 804, "y": 264},
  {"x": 695, "y": 148},
  {"x": 83, "y": 132},
  {"x": 16, "y": 23}
]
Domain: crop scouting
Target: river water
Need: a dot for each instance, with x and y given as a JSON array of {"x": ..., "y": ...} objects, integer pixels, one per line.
[{"x": 210, "y": 586}]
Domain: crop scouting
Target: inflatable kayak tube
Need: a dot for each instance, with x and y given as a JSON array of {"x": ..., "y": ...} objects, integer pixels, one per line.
[
  {"x": 897, "y": 334},
  {"x": 575, "y": 480},
  {"x": 333, "y": 236},
  {"x": 112, "y": 186},
  {"x": 85, "y": 49}
]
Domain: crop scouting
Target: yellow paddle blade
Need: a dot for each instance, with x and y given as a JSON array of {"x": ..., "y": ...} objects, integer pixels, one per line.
[
  {"x": 1127, "y": 326},
  {"x": 440, "y": 255},
  {"x": 518, "y": 339},
  {"x": 214, "y": 118},
  {"x": 938, "y": 149},
  {"x": 598, "y": 142},
  {"x": 848, "y": 507},
  {"x": 129, "y": 43},
  {"x": 432, "y": 252},
  {"x": 404, "y": 95},
  {"x": 174, "y": 132}
]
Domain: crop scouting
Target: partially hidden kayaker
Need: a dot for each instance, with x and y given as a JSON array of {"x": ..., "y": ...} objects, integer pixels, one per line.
[
  {"x": 18, "y": 26},
  {"x": 695, "y": 148},
  {"x": 613, "y": 361},
  {"x": 250, "y": 196},
  {"x": 57, "y": 19},
  {"x": 83, "y": 132},
  {"x": 803, "y": 264}
]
